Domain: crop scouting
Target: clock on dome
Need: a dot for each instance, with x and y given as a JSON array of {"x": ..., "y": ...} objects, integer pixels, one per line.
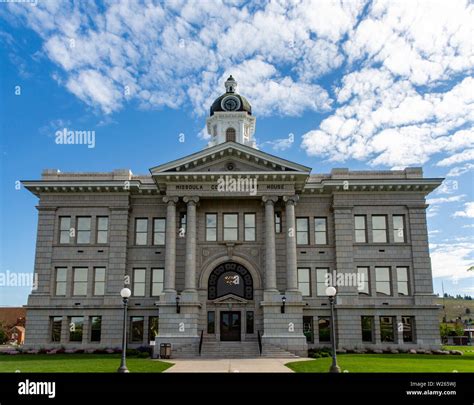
[{"x": 230, "y": 103}]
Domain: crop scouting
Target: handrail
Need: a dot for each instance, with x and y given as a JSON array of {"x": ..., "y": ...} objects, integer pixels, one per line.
[
  {"x": 200, "y": 342},
  {"x": 259, "y": 342}
]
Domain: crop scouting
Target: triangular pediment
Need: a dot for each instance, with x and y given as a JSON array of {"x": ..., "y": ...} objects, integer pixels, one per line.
[
  {"x": 230, "y": 299},
  {"x": 229, "y": 157}
]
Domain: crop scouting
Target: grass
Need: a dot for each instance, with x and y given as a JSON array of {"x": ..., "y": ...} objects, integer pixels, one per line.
[
  {"x": 393, "y": 363},
  {"x": 77, "y": 363}
]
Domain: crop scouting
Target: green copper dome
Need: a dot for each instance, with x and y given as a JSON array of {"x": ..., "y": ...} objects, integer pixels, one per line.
[{"x": 230, "y": 101}]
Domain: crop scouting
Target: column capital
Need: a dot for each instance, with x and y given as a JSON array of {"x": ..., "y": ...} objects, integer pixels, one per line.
[
  {"x": 270, "y": 199},
  {"x": 291, "y": 199},
  {"x": 170, "y": 199},
  {"x": 191, "y": 199}
]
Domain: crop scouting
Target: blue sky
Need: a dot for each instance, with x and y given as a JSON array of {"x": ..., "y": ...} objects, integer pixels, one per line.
[{"x": 363, "y": 85}]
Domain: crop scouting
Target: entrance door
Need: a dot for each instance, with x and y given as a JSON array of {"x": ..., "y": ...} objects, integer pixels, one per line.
[{"x": 230, "y": 326}]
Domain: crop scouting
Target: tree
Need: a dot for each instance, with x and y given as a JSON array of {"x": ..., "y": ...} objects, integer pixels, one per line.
[{"x": 3, "y": 334}]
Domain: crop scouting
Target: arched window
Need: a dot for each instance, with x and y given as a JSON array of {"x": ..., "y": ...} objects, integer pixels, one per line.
[
  {"x": 230, "y": 134},
  {"x": 230, "y": 278}
]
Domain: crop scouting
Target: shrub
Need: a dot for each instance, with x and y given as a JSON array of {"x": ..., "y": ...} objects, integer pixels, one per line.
[
  {"x": 145, "y": 349},
  {"x": 143, "y": 355},
  {"x": 132, "y": 352}
]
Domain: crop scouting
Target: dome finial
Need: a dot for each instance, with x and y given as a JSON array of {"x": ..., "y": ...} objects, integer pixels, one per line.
[{"x": 230, "y": 85}]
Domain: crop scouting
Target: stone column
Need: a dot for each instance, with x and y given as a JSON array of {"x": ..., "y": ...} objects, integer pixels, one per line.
[
  {"x": 270, "y": 257},
  {"x": 190, "y": 264},
  {"x": 291, "y": 261},
  {"x": 170, "y": 253}
]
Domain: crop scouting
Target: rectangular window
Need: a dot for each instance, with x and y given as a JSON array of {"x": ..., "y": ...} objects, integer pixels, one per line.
[
  {"x": 139, "y": 282},
  {"x": 136, "y": 329},
  {"x": 211, "y": 227},
  {"x": 64, "y": 229},
  {"x": 360, "y": 225},
  {"x": 324, "y": 329},
  {"x": 76, "y": 324},
  {"x": 249, "y": 227},
  {"x": 308, "y": 328},
  {"x": 249, "y": 319},
  {"x": 382, "y": 280},
  {"x": 99, "y": 280},
  {"x": 157, "y": 282},
  {"x": 182, "y": 224},
  {"x": 141, "y": 231},
  {"x": 56, "y": 323},
  {"x": 102, "y": 229},
  {"x": 211, "y": 322},
  {"x": 379, "y": 228},
  {"x": 159, "y": 231},
  {"x": 302, "y": 233},
  {"x": 304, "y": 281},
  {"x": 321, "y": 282},
  {"x": 231, "y": 226},
  {"x": 153, "y": 324},
  {"x": 80, "y": 281},
  {"x": 96, "y": 328},
  {"x": 402, "y": 280},
  {"x": 83, "y": 230},
  {"x": 61, "y": 281},
  {"x": 277, "y": 222},
  {"x": 387, "y": 329},
  {"x": 408, "y": 329},
  {"x": 320, "y": 231},
  {"x": 399, "y": 228},
  {"x": 363, "y": 280},
  {"x": 367, "y": 323}
]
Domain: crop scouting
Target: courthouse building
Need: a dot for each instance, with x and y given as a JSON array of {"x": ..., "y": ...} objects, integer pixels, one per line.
[{"x": 227, "y": 252}]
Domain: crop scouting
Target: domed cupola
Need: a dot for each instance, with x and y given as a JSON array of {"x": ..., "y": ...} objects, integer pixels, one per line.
[{"x": 230, "y": 118}]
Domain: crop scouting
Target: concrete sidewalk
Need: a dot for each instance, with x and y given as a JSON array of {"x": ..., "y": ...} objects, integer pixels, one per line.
[{"x": 231, "y": 365}]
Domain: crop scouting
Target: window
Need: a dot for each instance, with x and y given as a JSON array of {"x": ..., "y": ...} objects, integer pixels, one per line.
[
  {"x": 136, "y": 329},
  {"x": 321, "y": 282},
  {"x": 182, "y": 224},
  {"x": 99, "y": 281},
  {"x": 153, "y": 324},
  {"x": 387, "y": 329},
  {"x": 320, "y": 231},
  {"x": 96, "y": 328},
  {"x": 379, "y": 228},
  {"x": 61, "y": 281},
  {"x": 102, "y": 229},
  {"x": 64, "y": 229},
  {"x": 211, "y": 322},
  {"x": 159, "y": 231},
  {"x": 231, "y": 228},
  {"x": 230, "y": 134},
  {"x": 302, "y": 234},
  {"x": 308, "y": 328},
  {"x": 402, "y": 280},
  {"x": 56, "y": 323},
  {"x": 408, "y": 329},
  {"x": 324, "y": 328},
  {"x": 211, "y": 227},
  {"x": 277, "y": 222},
  {"x": 360, "y": 225},
  {"x": 249, "y": 320},
  {"x": 83, "y": 230},
  {"x": 398, "y": 228},
  {"x": 382, "y": 280},
  {"x": 75, "y": 328},
  {"x": 304, "y": 282},
  {"x": 139, "y": 282},
  {"x": 367, "y": 323},
  {"x": 80, "y": 281},
  {"x": 249, "y": 227},
  {"x": 157, "y": 282},
  {"x": 141, "y": 231},
  {"x": 363, "y": 280}
]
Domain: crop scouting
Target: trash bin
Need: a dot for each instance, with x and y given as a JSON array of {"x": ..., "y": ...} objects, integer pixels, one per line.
[{"x": 165, "y": 350}]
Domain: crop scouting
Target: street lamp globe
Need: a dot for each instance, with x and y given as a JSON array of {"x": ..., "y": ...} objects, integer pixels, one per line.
[
  {"x": 331, "y": 291},
  {"x": 125, "y": 292}
]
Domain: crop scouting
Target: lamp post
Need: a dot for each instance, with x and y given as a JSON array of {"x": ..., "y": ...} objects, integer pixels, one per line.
[
  {"x": 283, "y": 302},
  {"x": 125, "y": 294},
  {"x": 331, "y": 293}
]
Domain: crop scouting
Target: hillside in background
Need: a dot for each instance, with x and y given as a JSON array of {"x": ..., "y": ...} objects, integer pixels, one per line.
[{"x": 456, "y": 308}]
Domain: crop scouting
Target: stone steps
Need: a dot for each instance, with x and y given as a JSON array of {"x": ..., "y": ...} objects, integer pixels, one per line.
[
  {"x": 230, "y": 350},
  {"x": 272, "y": 351}
]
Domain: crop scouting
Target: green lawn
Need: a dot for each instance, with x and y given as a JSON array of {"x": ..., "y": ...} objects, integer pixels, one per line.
[
  {"x": 77, "y": 363},
  {"x": 392, "y": 363}
]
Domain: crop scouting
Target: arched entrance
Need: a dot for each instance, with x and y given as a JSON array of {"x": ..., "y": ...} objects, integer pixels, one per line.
[{"x": 230, "y": 278}]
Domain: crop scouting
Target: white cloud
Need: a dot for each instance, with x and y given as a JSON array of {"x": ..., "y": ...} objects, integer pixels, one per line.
[
  {"x": 452, "y": 260},
  {"x": 457, "y": 158},
  {"x": 460, "y": 170},
  {"x": 442, "y": 200},
  {"x": 468, "y": 211}
]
